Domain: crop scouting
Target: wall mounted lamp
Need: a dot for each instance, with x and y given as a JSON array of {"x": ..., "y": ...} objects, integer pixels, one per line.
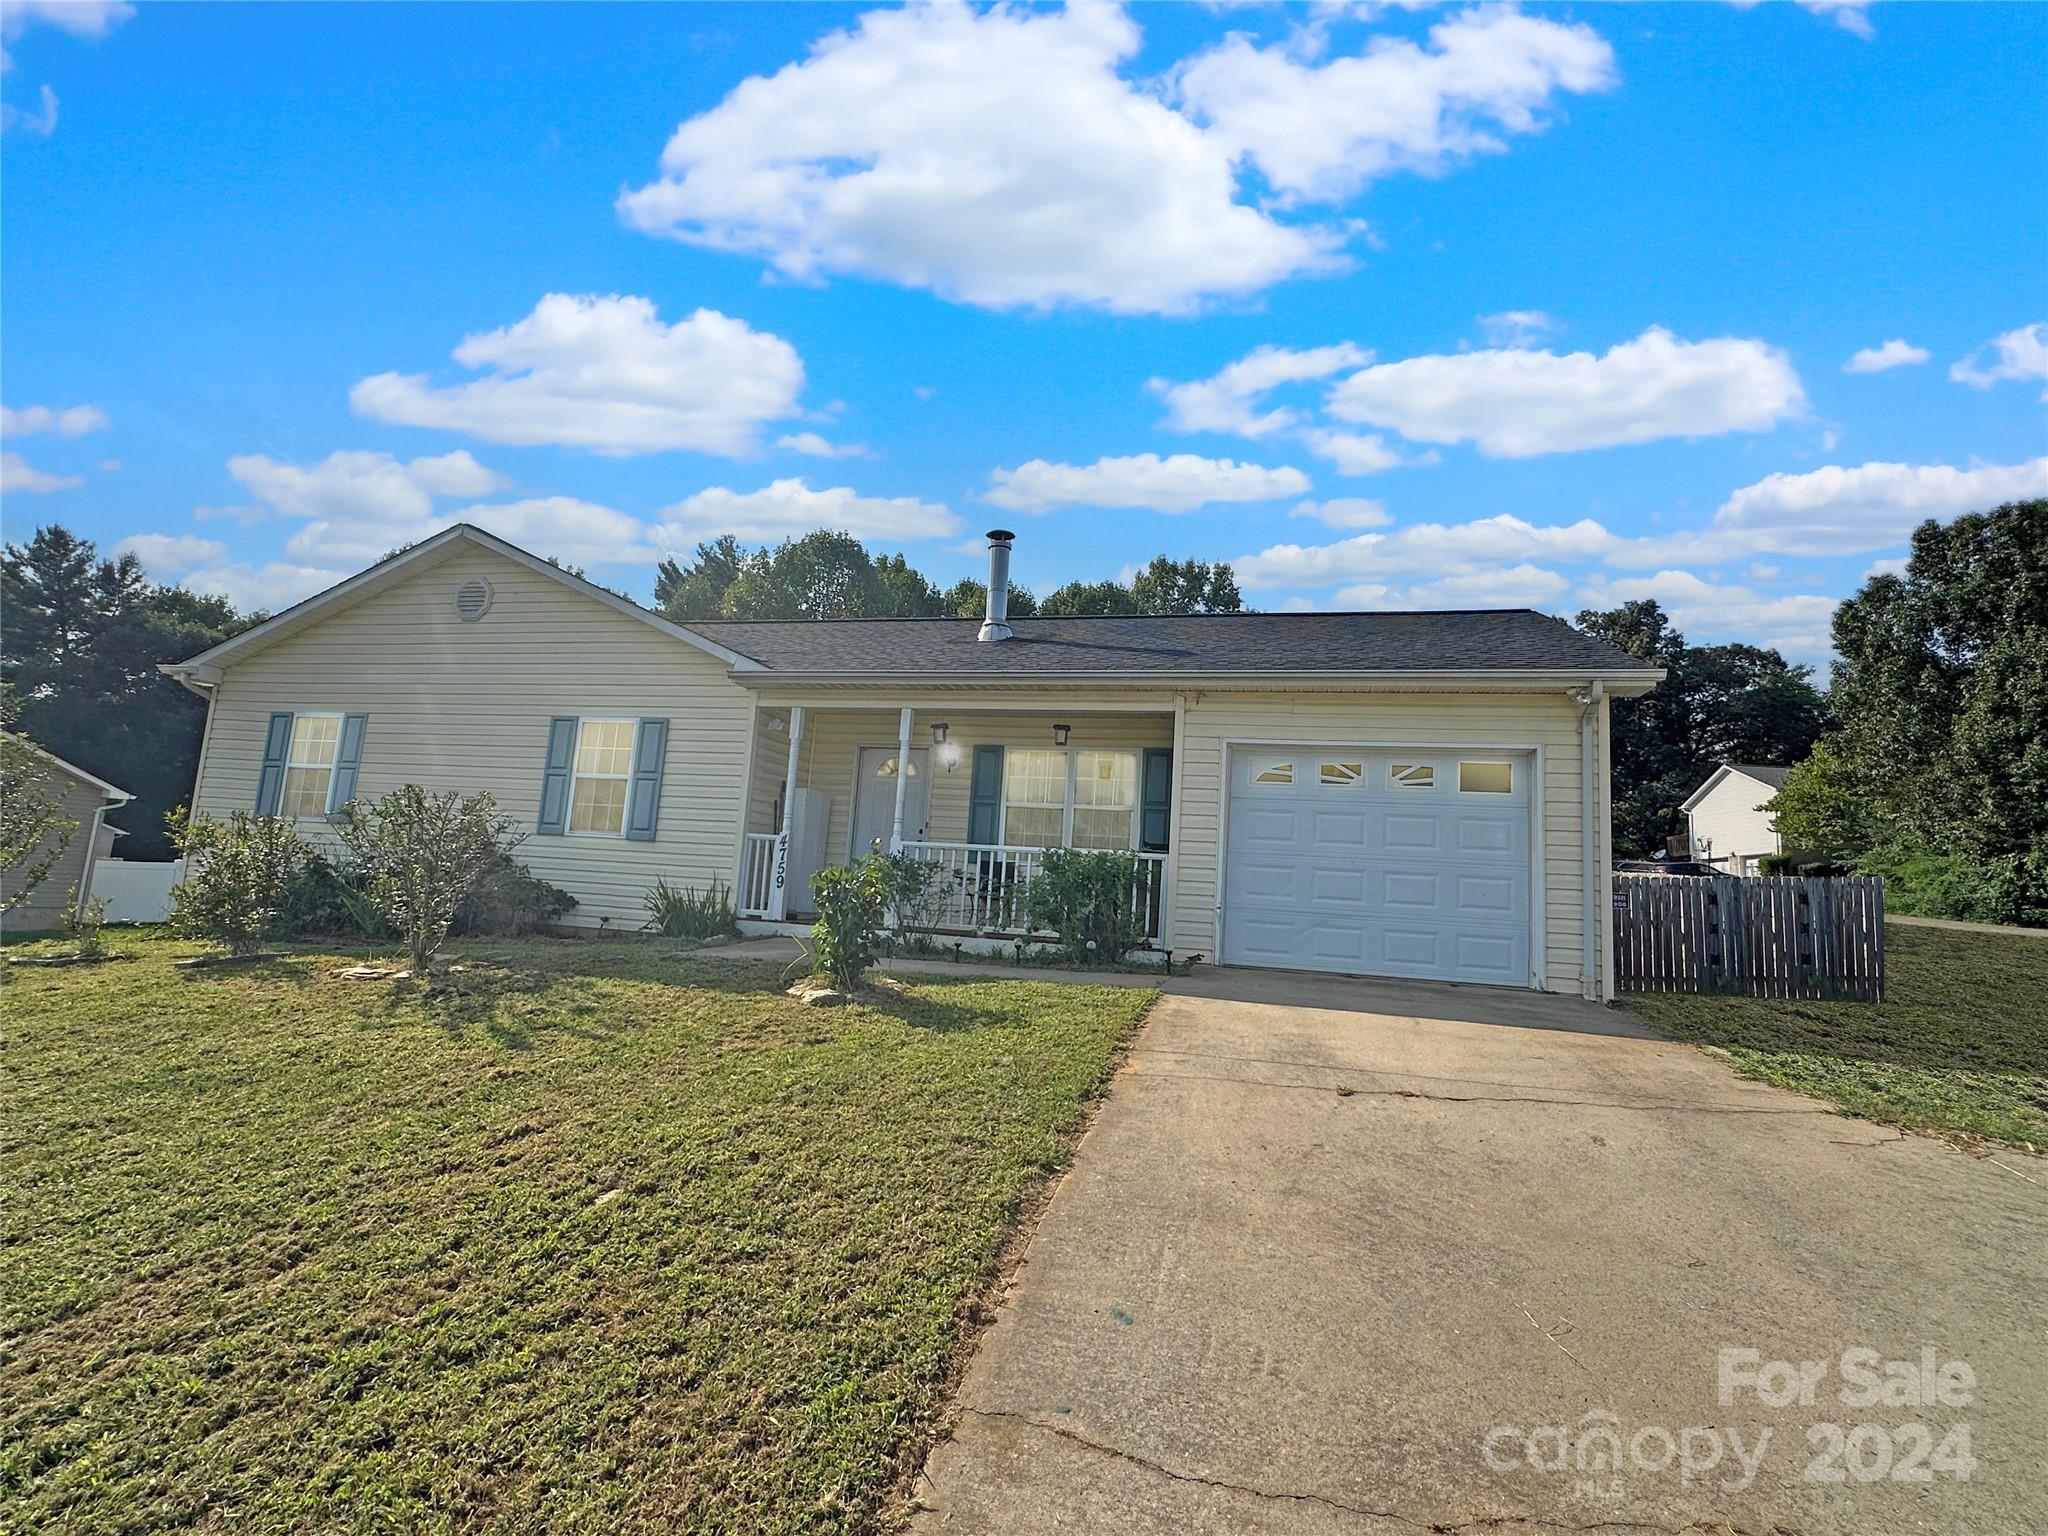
[{"x": 1059, "y": 735}]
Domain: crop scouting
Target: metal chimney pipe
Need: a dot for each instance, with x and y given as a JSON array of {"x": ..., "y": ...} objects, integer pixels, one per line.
[{"x": 996, "y": 626}]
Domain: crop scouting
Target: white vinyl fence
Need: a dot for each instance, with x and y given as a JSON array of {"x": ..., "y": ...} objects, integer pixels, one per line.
[{"x": 135, "y": 892}]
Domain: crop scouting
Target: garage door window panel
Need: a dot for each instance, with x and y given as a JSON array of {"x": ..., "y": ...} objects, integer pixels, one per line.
[
  {"x": 1485, "y": 778},
  {"x": 1411, "y": 776}
]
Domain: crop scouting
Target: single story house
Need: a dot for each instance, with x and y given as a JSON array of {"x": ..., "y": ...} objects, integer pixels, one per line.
[
  {"x": 64, "y": 890},
  {"x": 1726, "y": 821},
  {"x": 1406, "y": 794}
]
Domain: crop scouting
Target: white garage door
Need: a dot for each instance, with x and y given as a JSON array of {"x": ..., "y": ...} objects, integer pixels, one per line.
[{"x": 1395, "y": 863}]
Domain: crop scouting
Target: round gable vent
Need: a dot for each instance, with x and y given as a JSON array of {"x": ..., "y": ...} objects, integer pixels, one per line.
[{"x": 473, "y": 599}]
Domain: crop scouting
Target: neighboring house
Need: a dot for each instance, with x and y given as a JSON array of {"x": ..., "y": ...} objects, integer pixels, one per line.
[
  {"x": 63, "y": 890},
  {"x": 1726, "y": 821},
  {"x": 1411, "y": 794}
]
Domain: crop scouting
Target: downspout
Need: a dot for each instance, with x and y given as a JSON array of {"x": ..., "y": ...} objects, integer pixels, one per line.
[
  {"x": 1588, "y": 699},
  {"x": 92, "y": 857}
]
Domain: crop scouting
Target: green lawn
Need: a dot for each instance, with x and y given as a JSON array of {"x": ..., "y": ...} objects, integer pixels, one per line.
[
  {"x": 589, "y": 1238},
  {"x": 1960, "y": 1044}
]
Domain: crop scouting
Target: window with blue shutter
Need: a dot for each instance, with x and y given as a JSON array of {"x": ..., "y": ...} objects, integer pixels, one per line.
[
  {"x": 346, "y": 761},
  {"x": 277, "y": 742},
  {"x": 643, "y": 806},
  {"x": 1155, "y": 816},
  {"x": 985, "y": 796},
  {"x": 554, "y": 783}
]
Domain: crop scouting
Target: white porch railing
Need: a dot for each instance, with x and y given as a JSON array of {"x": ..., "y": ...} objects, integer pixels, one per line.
[
  {"x": 981, "y": 889},
  {"x": 757, "y": 874}
]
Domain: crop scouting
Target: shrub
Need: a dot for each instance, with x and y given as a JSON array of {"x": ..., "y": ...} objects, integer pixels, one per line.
[
  {"x": 1090, "y": 900},
  {"x": 418, "y": 856},
  {"x": 683, "y": 912},
  {"x": 917, "y": 894},
  {"x": 510, "y": 900},
  {"x": 34, "y": 831},
  {"x": 87, "y": 922},
  {"x": 239, "y": 874},
  {"x": 853, "y": 905}
]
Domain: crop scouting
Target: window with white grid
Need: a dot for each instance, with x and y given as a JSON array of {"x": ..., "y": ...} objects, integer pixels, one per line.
[
  {"x": 1105, "y": 799},
  {"x": 1034, "y": 799},
  {"x": 309, "y": 765},
  {"x": 603, "y": 774}
]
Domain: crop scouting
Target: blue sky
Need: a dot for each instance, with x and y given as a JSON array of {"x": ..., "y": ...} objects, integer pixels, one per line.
[{"x": 1553, "y": 306}]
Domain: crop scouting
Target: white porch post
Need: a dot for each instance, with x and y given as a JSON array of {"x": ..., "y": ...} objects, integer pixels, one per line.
[
  {"x": 902, "y": 778},
  {"x": 778, "y": 895}
]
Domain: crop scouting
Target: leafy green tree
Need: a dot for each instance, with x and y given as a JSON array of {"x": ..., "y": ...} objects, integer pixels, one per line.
[
  {"x": 1187, "y": 586},
  {"x": 1822, "y": 809},
  {"x": 417, "y": 856},
  {"x": 968, "y": 599},
  {"x": 902, "y": 593},
  {"x": 697, "y": 591},
  {"x": 79, "y": 650},
  {"x": 1942, "y": 697},
  {"x": 1718, "y": 703},
  {"x": 1088, "y": 600}
]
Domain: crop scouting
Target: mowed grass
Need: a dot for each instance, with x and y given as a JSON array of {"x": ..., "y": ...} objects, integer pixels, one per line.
[
  {"x": 1959, "y": 1045},
  {"x": 587, "y": 1238}
]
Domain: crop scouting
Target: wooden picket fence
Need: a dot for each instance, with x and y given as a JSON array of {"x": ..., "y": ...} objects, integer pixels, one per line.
[{"x": 1763, "y": 935}]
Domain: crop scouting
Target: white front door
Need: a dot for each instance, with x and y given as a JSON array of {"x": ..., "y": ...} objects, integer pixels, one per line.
[
  {"x": 1393, "y": 863},
  {"x": 874, "y": 799}
]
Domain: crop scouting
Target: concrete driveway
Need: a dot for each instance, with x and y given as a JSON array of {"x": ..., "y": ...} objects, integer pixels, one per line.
[{"x": 1327, "y": 1237}]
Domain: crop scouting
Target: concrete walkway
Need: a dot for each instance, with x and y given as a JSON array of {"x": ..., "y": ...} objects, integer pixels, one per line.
[{"x": 1325, "y": 1237}]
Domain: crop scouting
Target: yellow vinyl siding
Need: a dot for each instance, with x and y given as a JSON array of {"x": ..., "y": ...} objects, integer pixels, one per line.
[
  {"x": 466, "y": 706},
  {"x": 1531, "y": 720},
  {"x": 56, "y": 897}
]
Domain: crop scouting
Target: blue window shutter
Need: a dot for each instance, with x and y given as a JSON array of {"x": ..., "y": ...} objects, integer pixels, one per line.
[
  {"x": 554, "y": 783},
  {"x": 345, "y": 765},
  {"x": 1155, "y": 817},
  {"x": 985, "y": 796},
  {"x": 643, "y": 804},
  {"x": 278, "y": 742}
]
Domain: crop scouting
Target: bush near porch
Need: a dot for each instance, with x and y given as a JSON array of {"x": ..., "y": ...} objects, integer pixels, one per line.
[{"x": 585, "y": 1237}]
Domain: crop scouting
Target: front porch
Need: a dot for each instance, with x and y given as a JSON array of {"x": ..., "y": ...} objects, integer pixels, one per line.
[{"x": 979, "y": 794}]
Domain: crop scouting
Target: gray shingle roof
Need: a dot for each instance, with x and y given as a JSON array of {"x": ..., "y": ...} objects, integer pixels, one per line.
[
  {"x": 1775, "y": 777},
  {"x": 1487, "y": 641}
]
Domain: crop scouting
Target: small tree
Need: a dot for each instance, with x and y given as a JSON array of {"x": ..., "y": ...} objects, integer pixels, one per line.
[
  {"x": 239, "y": 874},
  {"x": 417, "y": 855},
  {"x": 34, "y": 831},
  {"x": 852, "y": 906},
  {"x": 1091, "y": 900}
]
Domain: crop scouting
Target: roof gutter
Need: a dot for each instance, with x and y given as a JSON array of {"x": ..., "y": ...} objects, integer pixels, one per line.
[{"x": 1626, "y": 683}]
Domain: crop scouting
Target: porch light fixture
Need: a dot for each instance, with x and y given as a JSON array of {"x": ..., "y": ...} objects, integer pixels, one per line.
[
  {"x": 1059, "y": 735},
  {"x": 938, "y": 733}
]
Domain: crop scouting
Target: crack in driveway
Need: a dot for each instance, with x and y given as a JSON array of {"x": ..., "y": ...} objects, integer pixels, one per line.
[
  {"x": 1281, "y": 1495},
  {"x": 1345, "y": 1091}
]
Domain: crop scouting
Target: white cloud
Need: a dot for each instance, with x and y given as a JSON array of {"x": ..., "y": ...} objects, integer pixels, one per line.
[
  {"x": 1708, "y": 610},
  {"x": 1849, "y": 15},
  {"x": 362, "y": 486},
  {"x": 1179, "y": 483},
  {"x": 71, "y": 421},
  {"x": 1517, "y": 403},
  {"x": 80, "y": 18},
  {"x": 604, "y": 373},
  {"x": 17, "y": 474},
  {"x": 1324, "y": 130},
  {"x": 573, "y": 531},
  {"x": 1344, "y": 512},
  {"x": 1516, "y": 327},
  {"x": 995, "y": 157},
  {"x": 262, "y": 588},
  {"x": 1422, "y": 549},
  {"x": 2022, "y": 354},
  {"x": 42, "y": 122},
  {"x": 1886, "y": 568},
  {"x": 1896, "y": 353},
  {"x": 1000, "y": 158},
  {"x": 790, "y": 507},
  {"x": 1837, "y": 510},
  {"x": 167, "y": 555},
  {"x": 1515, "y": 586},
  {"x": 1360, "y": 453},
  {"x": 819, "y": 448},
  {"x": 1225, "y": 401}
]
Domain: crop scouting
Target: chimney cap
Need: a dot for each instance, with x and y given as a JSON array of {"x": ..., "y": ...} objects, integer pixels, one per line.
[{"x": 1002, "y": 535}]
